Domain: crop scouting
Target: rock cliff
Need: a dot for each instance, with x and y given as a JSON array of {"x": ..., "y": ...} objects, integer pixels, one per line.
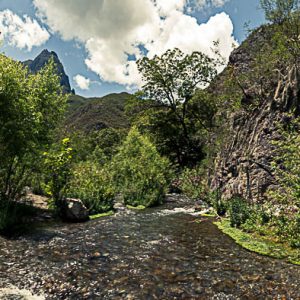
[
  {"x": 243, "y": 166},
  {"x": 41, "y": 60}
]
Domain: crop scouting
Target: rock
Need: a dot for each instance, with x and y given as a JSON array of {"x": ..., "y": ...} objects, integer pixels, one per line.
[
  {"x": 74, "y": 210},
  {"x": 42, "y": 59},
  {"x": 243, "y": 167},
  {"x": 15, "y": 293},
  {"x": 119, "y": 206}
]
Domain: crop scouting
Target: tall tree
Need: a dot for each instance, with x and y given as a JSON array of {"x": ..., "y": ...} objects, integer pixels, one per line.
[
  {"x": 170, "y": 82},
  {"x": 30, "y": 108},
  {"x": 285, "y": 17}
]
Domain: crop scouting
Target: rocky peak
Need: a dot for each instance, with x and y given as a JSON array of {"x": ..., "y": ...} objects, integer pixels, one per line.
[{"x": 41, "y": 60}]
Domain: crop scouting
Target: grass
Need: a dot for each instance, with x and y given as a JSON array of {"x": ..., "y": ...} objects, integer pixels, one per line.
[
  {"x": 209, "y": 215},
  {"x": 139, "y": 207},
  {"x": 97, "y": 216},
  {"x": 258, "y": 244}
]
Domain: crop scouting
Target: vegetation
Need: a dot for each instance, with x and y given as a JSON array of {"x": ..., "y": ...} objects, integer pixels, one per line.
[
  {"x": 132, "y": 146},
  {"x": 58, "y": 170},
  {"x": 30, "y": 108},
  {"x": 169, "y": 107},
  {"x": 97, "y": 216},
  {"x": 286, "y": 200},
  {"x": 260, "y": 244},
  {"x": 94, "y": 114},
  {"x": 191, "y": 183},
  {"x": 91, "y": 184},
  {"x": 140, "y": 174}
]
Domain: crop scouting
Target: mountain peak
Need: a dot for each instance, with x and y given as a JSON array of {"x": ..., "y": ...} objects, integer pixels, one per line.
[{"x": 42, "y": 59}]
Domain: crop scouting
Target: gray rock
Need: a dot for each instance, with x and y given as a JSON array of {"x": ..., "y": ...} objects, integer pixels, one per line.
[
  {"x": 42, "y": 59},
  {"x": 74, "y": 210},
  {"x": 243, "y": 167}
]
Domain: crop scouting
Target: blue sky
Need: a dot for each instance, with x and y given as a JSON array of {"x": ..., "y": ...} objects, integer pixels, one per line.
[{"x": 97, "y": 41}]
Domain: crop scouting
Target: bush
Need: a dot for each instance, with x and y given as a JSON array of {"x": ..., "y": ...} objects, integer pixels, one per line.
[
  {"x": 92, "y": 185},
  {"x": 140, "y": 174},
  {"x": 239, "y": 211},
  {"x": 191, "y": 183},
  {"x": 259, "y": 219},
  {"x": 294, "y": 232},
  {"x": 215, "y": 200},
  {"x": 287, "y": 172},
  {"x": 58, "y": 170},
  {"x": 13, "y": 216}
]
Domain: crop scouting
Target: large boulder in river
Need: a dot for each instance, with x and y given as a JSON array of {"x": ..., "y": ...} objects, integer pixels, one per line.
[{"x": 74, "y": 210}]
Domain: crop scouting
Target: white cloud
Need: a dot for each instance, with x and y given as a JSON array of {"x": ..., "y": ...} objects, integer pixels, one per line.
[
  {"x": 113, "y": 31},
  {"x": 210, "y": 3},
  {"x": 82, "y": 82},
  {"x": 22, "y": 32}
]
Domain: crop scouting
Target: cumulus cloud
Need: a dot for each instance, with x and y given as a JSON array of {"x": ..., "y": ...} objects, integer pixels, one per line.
[
  {"x": 82, "y": 82},
  {"x": 117, "y": 33},
  {"x": 22, "y": 32},
  {"x": 210, "y": 3}
]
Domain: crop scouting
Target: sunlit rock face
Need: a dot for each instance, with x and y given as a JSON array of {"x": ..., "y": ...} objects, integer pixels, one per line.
[
  {"x": 243, "y": 167},
  {"x": 42, "y": 59}
]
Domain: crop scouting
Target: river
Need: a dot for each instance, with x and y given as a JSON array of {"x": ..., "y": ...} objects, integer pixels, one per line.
[{"x": 159, "y": 253}]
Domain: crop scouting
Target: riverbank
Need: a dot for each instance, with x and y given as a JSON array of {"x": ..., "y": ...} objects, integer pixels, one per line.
[
  {"x": 163, "y": 252},
  {"x": 263, "y": 245}
]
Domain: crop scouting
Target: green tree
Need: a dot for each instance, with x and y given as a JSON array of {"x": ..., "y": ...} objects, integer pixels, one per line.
[
  {"x": 285, "y": 17},
  {"x": 170, "y": 82},
  {"x": 58, "y": 163},
  {"x": 31, "y": 106},
  {"x": 140, "y": 174}
]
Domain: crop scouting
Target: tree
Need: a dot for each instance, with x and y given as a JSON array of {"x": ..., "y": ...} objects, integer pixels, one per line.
[
  {"x": 170, "y": 82},
  {"x": 140, "y": 174},
  {"x": 278, "y": 11},
  {"x": 30, "y": 108},
  {"x": 285, "y": 17},
  {"x": 57, "y": 163}
]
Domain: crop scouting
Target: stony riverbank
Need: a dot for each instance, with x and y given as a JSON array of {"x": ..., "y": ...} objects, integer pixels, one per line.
[{"x": 167, "y": 252}]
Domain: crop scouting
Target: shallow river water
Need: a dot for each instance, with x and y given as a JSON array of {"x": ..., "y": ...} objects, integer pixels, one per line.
[{"x": 159, "y": 253}]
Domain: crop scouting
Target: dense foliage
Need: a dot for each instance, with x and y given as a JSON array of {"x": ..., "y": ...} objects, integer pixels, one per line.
[
  {"x": 30, "y": 108},
  {"x": 91, "y": 183},
  {"x": 141, "y": 175},
  {"x": 175, "y": 114},
  {"x": 57, "y": 164}
]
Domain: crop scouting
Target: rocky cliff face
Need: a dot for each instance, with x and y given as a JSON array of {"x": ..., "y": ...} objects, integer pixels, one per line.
[
  {"x": 243, "y": 167},
  {"x": 41, "y": 60}
]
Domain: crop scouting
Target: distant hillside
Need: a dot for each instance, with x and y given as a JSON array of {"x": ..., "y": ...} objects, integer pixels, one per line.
[
  {"x": 41, "y": 60},
  {"x": 88, "y": 114}
]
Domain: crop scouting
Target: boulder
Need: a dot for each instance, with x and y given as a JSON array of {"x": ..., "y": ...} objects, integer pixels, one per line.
[{"x": 74, "y": 210}]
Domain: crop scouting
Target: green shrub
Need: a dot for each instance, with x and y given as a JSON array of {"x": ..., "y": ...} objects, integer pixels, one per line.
[
  {"x": 294, "y": 232},
  {"x": 239, "y": 211},
  {"x": 140, "y": 174},
  {"x": 14, "y": 216},
  {"x": 191, "y": 183},
  {"x": 286, "y": 168},
  {"x": 259, "y": 220},
  {"x": 214, "y": 199},
  {"x": 92, "y": 185},
  {"x": 58, "y": 172}
]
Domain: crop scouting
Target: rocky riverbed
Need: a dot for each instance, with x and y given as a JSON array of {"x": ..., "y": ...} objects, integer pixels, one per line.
[{"x": 167, "y": 252}]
